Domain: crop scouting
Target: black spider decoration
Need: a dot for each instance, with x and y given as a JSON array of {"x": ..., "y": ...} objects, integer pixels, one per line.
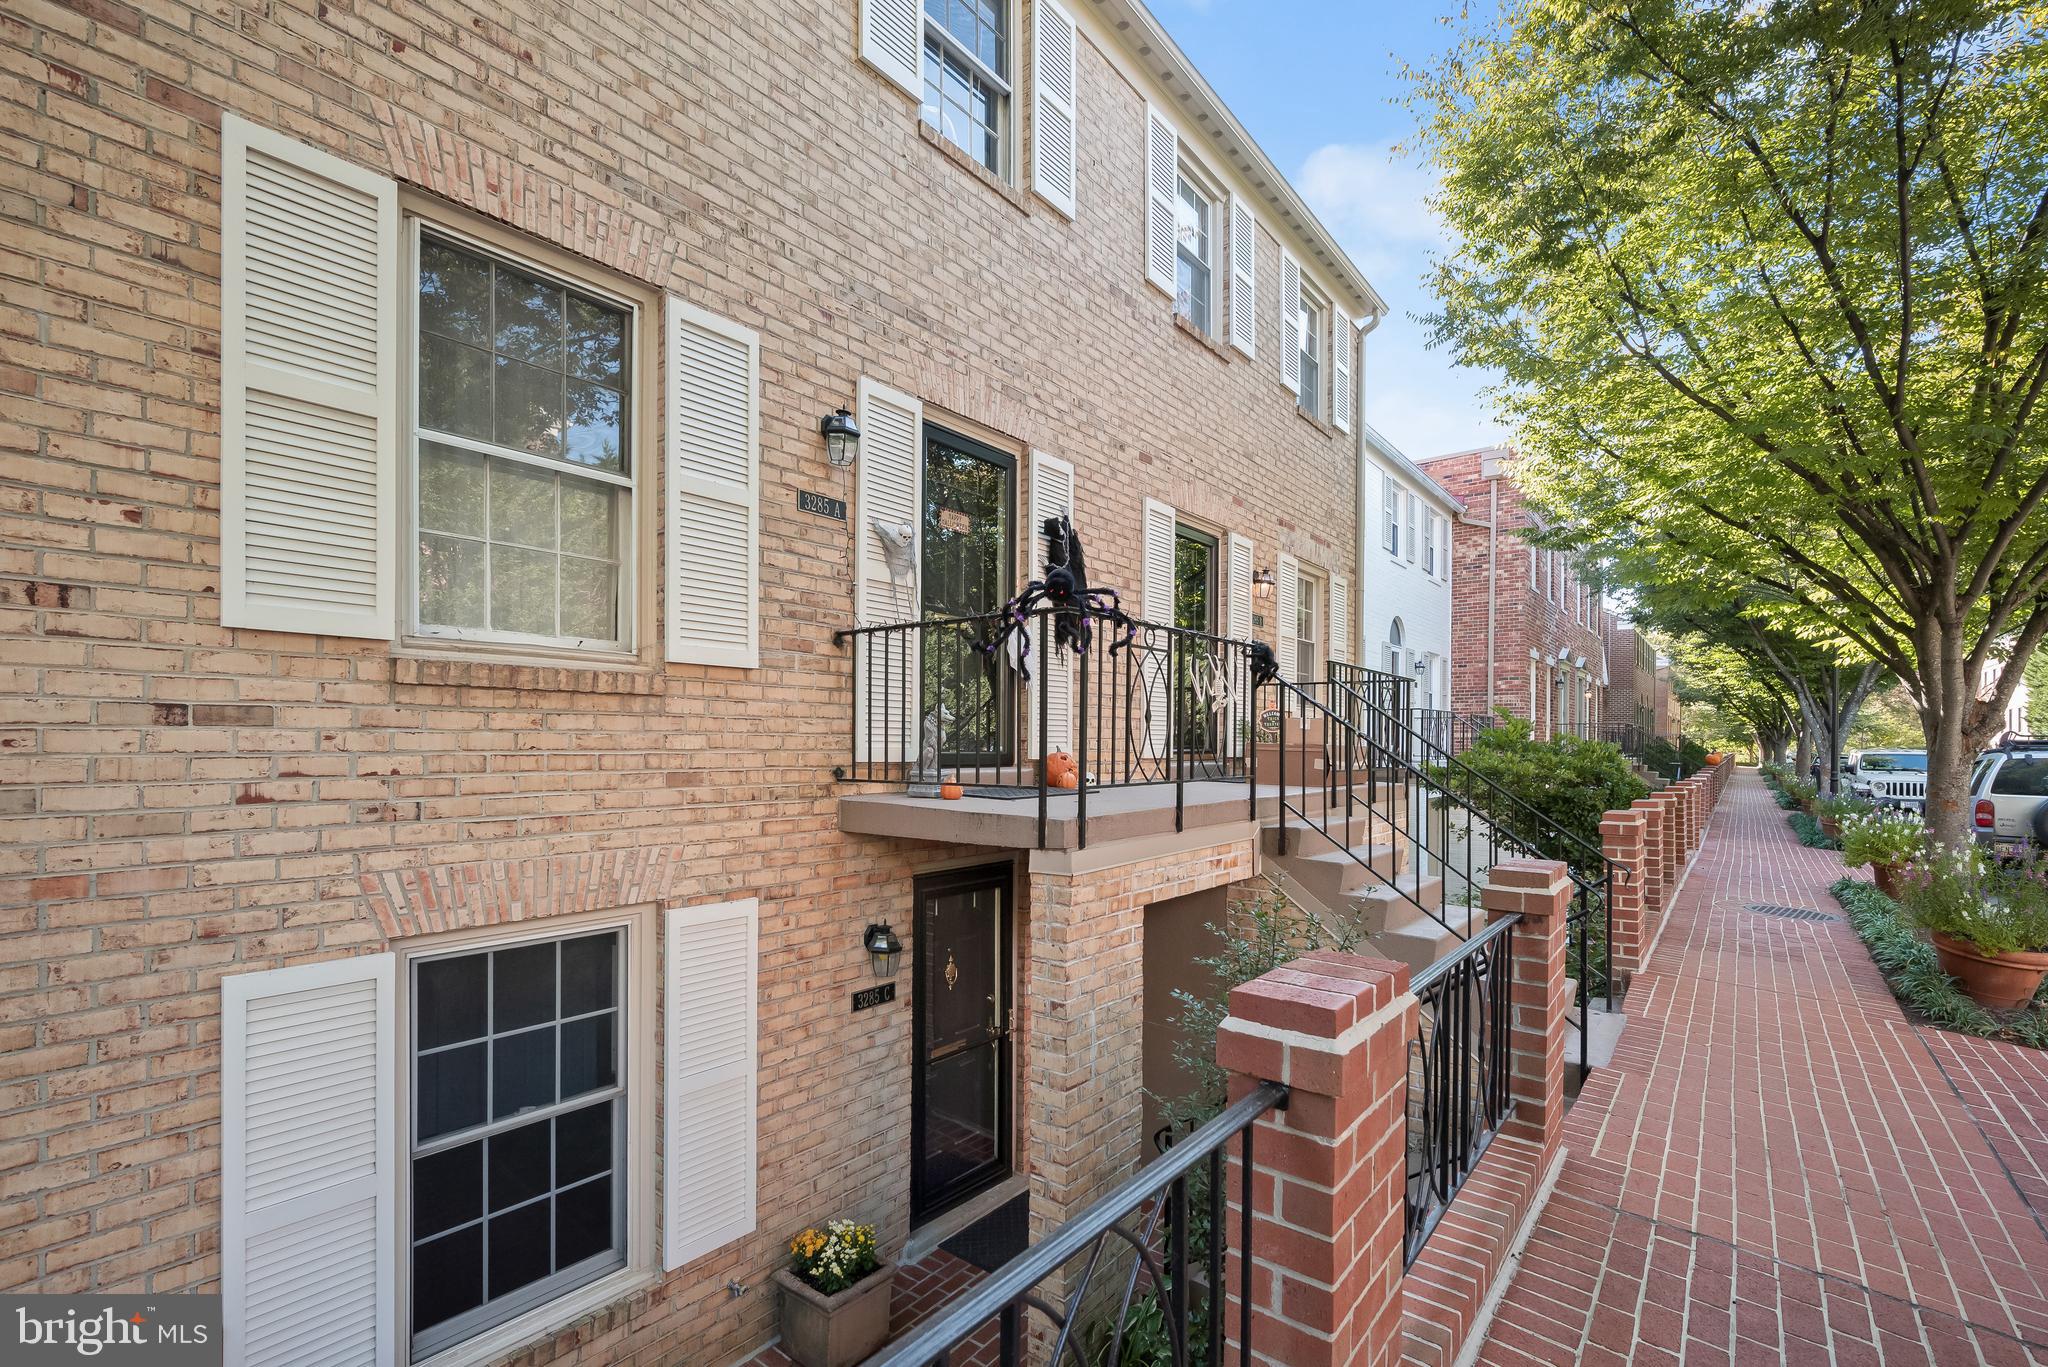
[
  {"x": 1265, "y": 665},
  {"x": 1075, "y": 606}
]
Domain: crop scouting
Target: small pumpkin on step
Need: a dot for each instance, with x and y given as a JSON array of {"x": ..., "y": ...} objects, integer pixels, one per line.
[{"x": 1060, "y": 771}]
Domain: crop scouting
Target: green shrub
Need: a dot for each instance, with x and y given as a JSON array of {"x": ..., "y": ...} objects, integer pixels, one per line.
[
  {"x": 1914, "y": 973},
  {"x": 1801, "y": 792},
  {"x": 1998, "y": 905},
  {"x": 1571, "y": 782},
  {"x": 1666, "y": 759},
  {"x": 1882, "y": 837}
]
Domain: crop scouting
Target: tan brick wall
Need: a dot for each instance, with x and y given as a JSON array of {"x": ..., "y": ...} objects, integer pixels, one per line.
[{"x": 179, "y": 801}]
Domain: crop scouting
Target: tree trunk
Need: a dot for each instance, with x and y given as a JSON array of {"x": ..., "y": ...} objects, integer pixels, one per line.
[{"x": 1956, "y": 724}]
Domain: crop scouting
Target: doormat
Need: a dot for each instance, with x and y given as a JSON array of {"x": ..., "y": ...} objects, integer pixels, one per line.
[
  {"x": 1785, "y": 913},
  {"x": 996, "y": 1237}
]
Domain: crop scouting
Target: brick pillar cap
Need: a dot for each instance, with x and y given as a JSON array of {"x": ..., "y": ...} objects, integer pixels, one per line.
[
  {"x": 1621, "y": 820},
  {"x": 1322, "y": 994}
]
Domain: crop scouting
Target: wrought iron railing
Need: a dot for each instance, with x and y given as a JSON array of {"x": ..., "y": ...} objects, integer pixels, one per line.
[
  {"x": 1452, "y": 732},
  {"x": 1626, "y": 737},
  {"x": 1458, "y": 1072},
  {"x": 956, "y": 700},
  {"x": 1140, "y": 1243},
  {"x": 1459, "y": 823}
]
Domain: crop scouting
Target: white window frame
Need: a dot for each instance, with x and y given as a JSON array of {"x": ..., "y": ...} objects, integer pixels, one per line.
[
  {"x": 638, "y": 956},
  {"x": 1429, "y": 543},
  {"x": 1218, "y": 205},
  {"x": 1390, "y": 515},
  {"x": 634, "y": 482},
  {"x": 1311, "y": 599},
  {"x": 1315, "y": 312},
  {"x": 1414, "y": 517},
  {"x": 1005, "y": 85}
]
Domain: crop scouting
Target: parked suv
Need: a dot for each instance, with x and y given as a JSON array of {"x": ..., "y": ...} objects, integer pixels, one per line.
[
  {"x": 2009, "y": 791},
  {"x": 1890, "y": 778}
]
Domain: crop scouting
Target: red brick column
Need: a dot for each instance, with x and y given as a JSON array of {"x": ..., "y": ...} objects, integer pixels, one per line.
[
  {"x": 1329, "y": 1172},
  {"x": 1541, "y": 890},
  {"x": 1674, "y": 841},
  {"x": 1655, "y": 888},
  {"x": 1621, "y": 840}
]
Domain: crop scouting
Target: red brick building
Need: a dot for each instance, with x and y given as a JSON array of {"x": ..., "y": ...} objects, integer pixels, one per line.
[
  {"x": 1631, "y": 695},
  {"x": 1527, "y": 634},
  {"x": 423, "y": 575}
]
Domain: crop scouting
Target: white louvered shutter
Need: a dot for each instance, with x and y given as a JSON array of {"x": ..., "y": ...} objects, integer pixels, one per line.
[
  {"x": 309, "y": 389},
  {"x": 309, "y": 1157},
  {"x": 1342, "y": 337},
  {"x": 1237, "y": 604},
  {"x": 1155, "y": 605},
  {"x": 1340, "y": 618},
  {"x": 1290, "y": 322},
  {"x": 1054, "y": 173},
  {"x": 1287, "y": 595},
  {"x": 1237, "y": 570},
  {"x": 710, "y": 981},
  {"x": 892, "y": 41},
  {"x": 1162, "y": 179},
  {"x": 1244, "y": 278},
  {"x": 713, "y": 550},
  {"x": 1052, "y": 494},
  {"x": 887, "y": 670}
]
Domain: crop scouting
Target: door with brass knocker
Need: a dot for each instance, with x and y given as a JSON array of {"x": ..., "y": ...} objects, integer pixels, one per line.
[{"x": 960, "y": 1094}]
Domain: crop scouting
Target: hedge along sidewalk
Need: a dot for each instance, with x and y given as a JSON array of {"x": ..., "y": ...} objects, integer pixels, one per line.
[{"x": 1915, "y": 977}]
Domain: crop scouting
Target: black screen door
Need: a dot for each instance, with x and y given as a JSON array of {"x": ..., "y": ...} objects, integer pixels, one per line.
[
  {"x": 969, "y": 552},
  {"x": 960, "y": 1094}
]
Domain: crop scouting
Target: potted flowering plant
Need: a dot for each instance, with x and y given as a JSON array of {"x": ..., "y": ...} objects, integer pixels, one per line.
[
  {"x": 1832, "y": 811},
  {"x": 1988, "y": 918},
  {"x": 835, "y": 1295},
  {"x": 1885, "y": 840}
]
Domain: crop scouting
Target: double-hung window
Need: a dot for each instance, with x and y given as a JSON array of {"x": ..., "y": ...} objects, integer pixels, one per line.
[
  {"x": 1194, "y": 290},
  {"x": 1414, "y": 513},
  {"x": 966, "y": 85},
  {"x": 1390, "y": 515},
  {"x": 517, "y": 1144},
  {"x": 1311, "y": 355},
  {"x": 522, "y": 457},
  {"x": 1429, "y": 545}
]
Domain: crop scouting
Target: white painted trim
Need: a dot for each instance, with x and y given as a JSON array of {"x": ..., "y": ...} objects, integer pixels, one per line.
[{"x": 679, "y": 1246}]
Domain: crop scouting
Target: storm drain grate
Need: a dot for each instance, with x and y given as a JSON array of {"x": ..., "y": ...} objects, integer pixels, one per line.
[{"x": 1785, "y": 913}]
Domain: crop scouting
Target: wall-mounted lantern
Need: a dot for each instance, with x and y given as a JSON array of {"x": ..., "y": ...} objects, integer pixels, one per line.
[
  {"x": 842, "y": 437},
  {"x": 883, "y": 949},
  {"x": 1263, "y": 584}
]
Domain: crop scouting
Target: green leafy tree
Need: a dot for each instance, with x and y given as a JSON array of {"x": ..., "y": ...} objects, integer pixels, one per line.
[{"x": 1766, "y": 281}]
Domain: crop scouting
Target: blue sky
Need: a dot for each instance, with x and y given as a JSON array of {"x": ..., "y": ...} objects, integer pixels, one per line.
[{"x": 1317, "y": 82}]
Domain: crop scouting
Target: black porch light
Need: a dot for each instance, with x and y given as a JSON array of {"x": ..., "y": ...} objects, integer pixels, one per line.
[
  {"x": 842, "y": 437},
  {"x": 883, "y": 948},
  {"x": 1263, "y": 584}
]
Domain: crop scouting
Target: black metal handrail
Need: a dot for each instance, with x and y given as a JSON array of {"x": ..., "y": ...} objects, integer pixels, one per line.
[
  {"x": 944, "y": 700},
  {"x": 1452, "y": 732},
  {"x": 1149, "y": 1206},
  {"x": 1458, "y": 1073},
  {"x": 1501, "y": 820}
]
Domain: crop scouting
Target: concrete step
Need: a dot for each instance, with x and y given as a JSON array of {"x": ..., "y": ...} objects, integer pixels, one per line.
[
  {"x": 1421, "y": 942},
  {"x": 1330, "y": 874}
]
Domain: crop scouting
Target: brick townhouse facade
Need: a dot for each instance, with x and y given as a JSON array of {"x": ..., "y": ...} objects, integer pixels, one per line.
[
  {"x": 420, "y": 569},
  {"x": 1631, "y": 696},
  {"x": 1527, "y": 635}
]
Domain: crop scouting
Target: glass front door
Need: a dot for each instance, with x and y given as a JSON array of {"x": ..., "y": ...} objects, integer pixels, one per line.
[
  {"x": 969, "y": 549},
  {"x": 960, "y": 1095},
  {"x": 1195, "y": 608}
]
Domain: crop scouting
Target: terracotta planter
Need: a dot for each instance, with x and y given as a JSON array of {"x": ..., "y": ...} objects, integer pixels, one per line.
[
  {"x": 835, "y": 1331},
  {"x": 1886, "y": 876},
  {"x": 1831, "y": 827},
  {"x": 2001, "y": 982}
]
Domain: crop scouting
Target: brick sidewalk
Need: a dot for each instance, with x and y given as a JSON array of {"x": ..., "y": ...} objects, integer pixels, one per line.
[{"x": 1779, "y": 1166}]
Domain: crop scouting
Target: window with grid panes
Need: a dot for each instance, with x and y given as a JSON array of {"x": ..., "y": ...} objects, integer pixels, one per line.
[
  {"x": 523, "y": 479},
  {"x": 966, "y": 75}
]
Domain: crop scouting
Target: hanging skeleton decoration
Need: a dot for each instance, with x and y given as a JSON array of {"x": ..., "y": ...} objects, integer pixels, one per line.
[{"x": 1075, "y": 606}]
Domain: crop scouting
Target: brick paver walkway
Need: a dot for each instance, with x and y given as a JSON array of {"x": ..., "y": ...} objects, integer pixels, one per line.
[{"x": 1780, "y": 1167}]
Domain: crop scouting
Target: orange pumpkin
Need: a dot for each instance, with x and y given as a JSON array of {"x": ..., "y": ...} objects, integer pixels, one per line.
[
  {"x": 951, "y": 791},
  {"x": 1059, "y": 767}
]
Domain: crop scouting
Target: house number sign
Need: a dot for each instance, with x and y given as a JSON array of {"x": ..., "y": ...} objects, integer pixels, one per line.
[
  {"x": 819, "y": 505},
  {"x": 874, "y": 996}
]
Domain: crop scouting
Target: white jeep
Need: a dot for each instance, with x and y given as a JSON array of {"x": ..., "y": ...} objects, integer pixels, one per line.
[{"x": 1890, "y": 778}]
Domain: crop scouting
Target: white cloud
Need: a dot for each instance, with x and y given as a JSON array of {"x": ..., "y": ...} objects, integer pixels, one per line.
[{"x": 1374, "y": 202}]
